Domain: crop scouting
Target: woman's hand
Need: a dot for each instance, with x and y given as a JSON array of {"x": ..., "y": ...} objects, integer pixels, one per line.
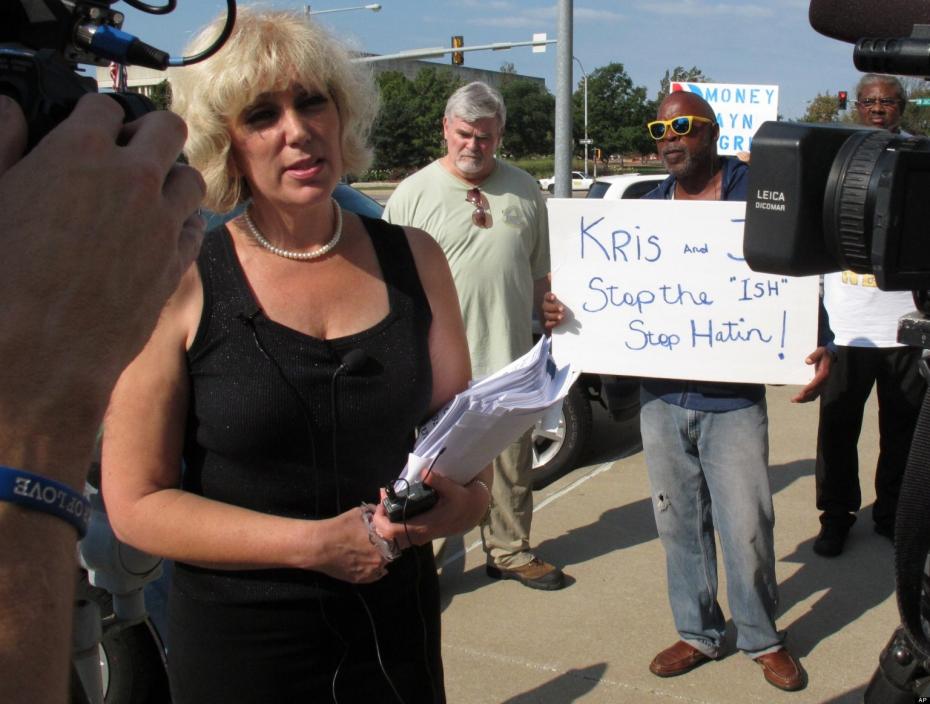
[
  {"x": 458, "y": 509},
  {"x": 345, "y": 550}
]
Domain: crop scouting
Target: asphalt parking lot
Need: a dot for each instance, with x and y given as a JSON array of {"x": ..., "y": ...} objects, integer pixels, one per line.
[{"x": 592, "y": 642}]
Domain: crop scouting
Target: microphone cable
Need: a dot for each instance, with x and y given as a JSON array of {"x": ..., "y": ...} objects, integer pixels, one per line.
[
  {"x": 305, "y": 410},
  {"x": 353, "y": 361}
]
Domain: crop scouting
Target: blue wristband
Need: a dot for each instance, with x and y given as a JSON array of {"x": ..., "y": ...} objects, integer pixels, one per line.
[{"x": 39, "y": 493}]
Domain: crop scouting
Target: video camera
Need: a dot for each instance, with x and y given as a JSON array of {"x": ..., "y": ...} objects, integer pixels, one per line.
[
  {"x": 42, "y": 43},
  {"x": 826, "y": 198}
]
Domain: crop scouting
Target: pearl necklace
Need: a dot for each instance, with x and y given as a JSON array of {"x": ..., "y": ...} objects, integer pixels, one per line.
[{"x": 290, "y": 254}]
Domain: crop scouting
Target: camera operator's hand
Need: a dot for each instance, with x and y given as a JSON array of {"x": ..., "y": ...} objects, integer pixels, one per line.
[
  {"x": 99, "y": 222},
  {"x": 822, "y": 359},
  {"x": 98, "y": 225}
]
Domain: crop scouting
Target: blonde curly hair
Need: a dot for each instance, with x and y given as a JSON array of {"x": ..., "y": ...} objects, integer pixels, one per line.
[{"x": 267, "y": 51}]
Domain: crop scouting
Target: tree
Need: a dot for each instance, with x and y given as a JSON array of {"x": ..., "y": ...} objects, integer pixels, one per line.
[
  {"x": 617, "y": 112},
  {"x": 408, "y": 132},
  {"x": 530, "y": 118},
  {"x": 161, "y": 95},
  {"x": 509, "y": 71},
  {"x": 432, "y": 89},
  {"x": 823, "y": 108},
  {"x": 916, "y": 118},
  {"x": 395, "y": 131},
  {"x": 680, "y": 74}
]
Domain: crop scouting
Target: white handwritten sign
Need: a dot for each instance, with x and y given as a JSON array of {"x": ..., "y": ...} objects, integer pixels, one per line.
[
  {"x": 660, "y": 289},
  {"x": 740, "y": 110}
]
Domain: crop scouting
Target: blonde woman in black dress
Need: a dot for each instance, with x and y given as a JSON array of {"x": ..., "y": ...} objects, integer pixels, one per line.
[{"x": 288, "y": 374}]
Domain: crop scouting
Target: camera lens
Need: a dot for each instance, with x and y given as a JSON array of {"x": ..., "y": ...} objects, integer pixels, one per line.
[
  {"x": 849, "y": 199},
  {"x": 876, "y": 210}
]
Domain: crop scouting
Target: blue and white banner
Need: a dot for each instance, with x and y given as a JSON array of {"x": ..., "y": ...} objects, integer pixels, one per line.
[{"x": 740, "y": 109}]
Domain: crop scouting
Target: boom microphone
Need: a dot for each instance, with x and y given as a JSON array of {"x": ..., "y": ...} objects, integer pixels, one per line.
[{"x": 852, "y": 20}]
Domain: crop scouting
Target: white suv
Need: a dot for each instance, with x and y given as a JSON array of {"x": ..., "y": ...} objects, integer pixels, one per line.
[
  {"x": 580, "y": 182},
  {"x": 625, "y": 185}
]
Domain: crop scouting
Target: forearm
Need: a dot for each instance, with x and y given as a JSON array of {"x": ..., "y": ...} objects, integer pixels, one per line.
[
  {"x": 182, "y": 526},
  {"x": 480, "y": 499},
  {"x": 38, "y": 564},
  {"x": 37, "y": 575}
]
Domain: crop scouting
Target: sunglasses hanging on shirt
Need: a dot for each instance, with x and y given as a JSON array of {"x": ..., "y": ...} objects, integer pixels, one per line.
[{"x": 482, "y": 213}]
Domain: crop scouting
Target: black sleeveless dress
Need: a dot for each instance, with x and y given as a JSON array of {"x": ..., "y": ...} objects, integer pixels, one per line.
[{"x": 275, "y": 425}]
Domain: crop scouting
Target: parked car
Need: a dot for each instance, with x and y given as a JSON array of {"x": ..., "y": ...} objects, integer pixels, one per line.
[
  {"x": 580, "y": 182},
  {"x": 624, "y": 186},
  {"x": 555, "y": 453},
  {"x": 348, "y": 197}
]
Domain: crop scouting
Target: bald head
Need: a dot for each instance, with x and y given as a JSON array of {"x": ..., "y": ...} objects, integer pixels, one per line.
[{"x": 682, "y": 103}]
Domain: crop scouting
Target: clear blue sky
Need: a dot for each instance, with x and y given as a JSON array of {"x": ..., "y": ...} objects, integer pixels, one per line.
[{"x": 732, "y": 42}]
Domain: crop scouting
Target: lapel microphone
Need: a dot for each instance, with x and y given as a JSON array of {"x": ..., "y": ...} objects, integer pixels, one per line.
[{"x": 353, "y": 361}]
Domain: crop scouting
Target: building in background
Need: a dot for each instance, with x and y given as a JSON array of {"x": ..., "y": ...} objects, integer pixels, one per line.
[{"x": 143, "y": 80}]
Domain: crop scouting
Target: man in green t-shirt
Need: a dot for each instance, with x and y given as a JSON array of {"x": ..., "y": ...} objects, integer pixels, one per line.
[{"x": 490, "y": 219}]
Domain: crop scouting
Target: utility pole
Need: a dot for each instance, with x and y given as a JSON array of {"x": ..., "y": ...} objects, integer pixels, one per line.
[
  {"x": 586, "y": 142},
  {"x": 563, "y": 103}
]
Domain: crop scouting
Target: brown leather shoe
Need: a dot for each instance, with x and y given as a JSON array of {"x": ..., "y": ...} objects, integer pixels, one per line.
[
  {"x": 677, "y": 660},
  {"x": 782, "y": 670},
  {"x": 535, "y": 574}
]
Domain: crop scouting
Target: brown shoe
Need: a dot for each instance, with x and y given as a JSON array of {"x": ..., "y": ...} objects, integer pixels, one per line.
[
  {"x": 782, "y": 670},
  {"x": 535, "y": 574},
  {"x": 677, "y": 660}
]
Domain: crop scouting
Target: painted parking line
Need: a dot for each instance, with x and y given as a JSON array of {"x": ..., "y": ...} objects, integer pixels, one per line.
[{"x": 599, "y": 469}]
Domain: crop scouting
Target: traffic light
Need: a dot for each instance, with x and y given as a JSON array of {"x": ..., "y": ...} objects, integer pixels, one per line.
[
  {"x": 841, "y": 99},
  {"x": 458, "y": 58},
  {"x": 597, "y": 153}
]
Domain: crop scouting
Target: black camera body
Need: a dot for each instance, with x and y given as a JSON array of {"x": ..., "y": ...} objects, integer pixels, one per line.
[
  {"x": 41, "y": 48},
  {"x": 826, "y": 198},
  {"x": 415, "y": 499}
]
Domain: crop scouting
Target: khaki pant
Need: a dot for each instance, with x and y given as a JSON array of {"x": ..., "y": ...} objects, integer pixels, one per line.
[{"x": 506, "y": 533}]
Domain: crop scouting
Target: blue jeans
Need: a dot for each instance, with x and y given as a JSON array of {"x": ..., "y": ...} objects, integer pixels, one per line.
[{"x": 710, "y": 469}]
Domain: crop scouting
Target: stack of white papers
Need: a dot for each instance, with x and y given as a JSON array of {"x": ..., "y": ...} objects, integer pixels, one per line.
[{"x": 480, "y": 422}]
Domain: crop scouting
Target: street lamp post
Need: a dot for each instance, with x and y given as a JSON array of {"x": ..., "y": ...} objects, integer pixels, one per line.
[
  {"x": 586, "y": 141},
  {"x": 374, "y": 7}
]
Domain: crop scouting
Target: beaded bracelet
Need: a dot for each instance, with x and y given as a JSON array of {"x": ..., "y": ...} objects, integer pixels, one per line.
[
  {"x": 39, "y": 493},
  {"x": 487, "y": 489}
]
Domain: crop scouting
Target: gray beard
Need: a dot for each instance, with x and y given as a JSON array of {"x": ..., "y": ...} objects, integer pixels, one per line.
[{"x": 469, "y": 166}]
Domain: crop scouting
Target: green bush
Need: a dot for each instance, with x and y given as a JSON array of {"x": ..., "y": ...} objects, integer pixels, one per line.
[
  {"x": 544, "y": 167},
  {"x": 538, "y": 167}
]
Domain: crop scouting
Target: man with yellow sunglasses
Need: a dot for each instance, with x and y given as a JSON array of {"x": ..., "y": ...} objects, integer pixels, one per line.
[{"x": 706, "y": 449}]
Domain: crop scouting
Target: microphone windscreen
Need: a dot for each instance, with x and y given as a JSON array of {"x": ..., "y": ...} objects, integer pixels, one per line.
[
  {"x": 354, "y": 360},
  {"x": 852, "y": 20}
]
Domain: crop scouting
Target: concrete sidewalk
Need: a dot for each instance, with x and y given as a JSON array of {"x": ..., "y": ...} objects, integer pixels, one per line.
[{"x": 593, "y": 641}]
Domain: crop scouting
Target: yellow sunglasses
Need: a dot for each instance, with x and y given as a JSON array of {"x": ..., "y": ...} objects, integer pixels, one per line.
[{"x": 680, "y": 125}]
